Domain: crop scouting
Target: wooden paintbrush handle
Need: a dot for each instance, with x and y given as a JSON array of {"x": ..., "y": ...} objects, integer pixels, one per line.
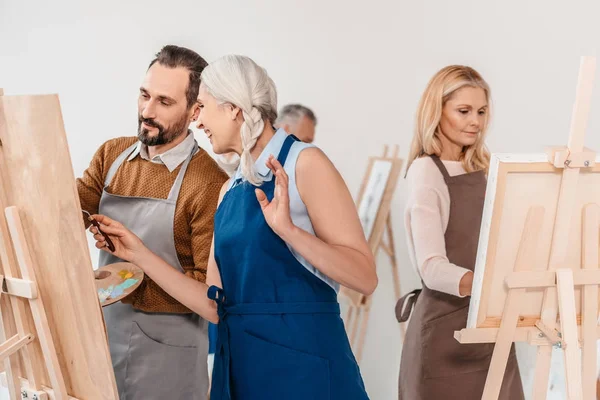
[{"x": 109, "y": 242}]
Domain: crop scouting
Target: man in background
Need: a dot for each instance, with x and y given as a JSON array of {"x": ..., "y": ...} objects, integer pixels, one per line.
[{"x": 299, "y": 121}]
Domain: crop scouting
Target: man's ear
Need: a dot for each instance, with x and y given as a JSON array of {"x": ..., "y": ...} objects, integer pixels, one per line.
[{"x": 195, "y": 112}]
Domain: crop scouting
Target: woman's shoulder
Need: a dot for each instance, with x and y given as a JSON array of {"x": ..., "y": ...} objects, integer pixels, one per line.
[
  {"x": 424, "y": 171},
  {"x": 306, "y": 155}
]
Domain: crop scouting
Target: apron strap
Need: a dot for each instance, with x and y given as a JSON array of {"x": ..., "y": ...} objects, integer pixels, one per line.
[
  {"x": 174, "y": 193},
  {"x": 402, "y": 312},
  {"x": 283, "y": 308},
  {"x": 222, "y": 345},
  {"x": 117, "y": 163},
  {"x": 441, "y": 167},
  {"x": 285, "y": 148}
]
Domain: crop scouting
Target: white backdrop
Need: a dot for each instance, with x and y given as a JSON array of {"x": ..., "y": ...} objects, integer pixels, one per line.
[{"x": 360, "y": 65}]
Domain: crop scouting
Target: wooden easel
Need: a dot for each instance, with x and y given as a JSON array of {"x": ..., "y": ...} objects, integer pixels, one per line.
[
  {"x": 357, "y": 316},
  {"x": 559, "y": 280},
  {"x": 52, "y": 342},
  {"x": 24, "y": 300}
]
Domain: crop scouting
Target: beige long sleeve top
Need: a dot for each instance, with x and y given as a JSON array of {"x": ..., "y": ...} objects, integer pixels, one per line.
[{"x": 426, "y": 220}]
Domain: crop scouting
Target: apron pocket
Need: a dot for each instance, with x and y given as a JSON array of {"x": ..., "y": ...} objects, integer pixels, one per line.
[
  {"x": 160, "y": 371},
  {"x": 275, "y": 371},
  {"x": 444, "y": 356}
]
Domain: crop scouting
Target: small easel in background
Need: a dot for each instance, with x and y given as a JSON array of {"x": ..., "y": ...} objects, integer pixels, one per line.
[{"x": 359, "y": 306}]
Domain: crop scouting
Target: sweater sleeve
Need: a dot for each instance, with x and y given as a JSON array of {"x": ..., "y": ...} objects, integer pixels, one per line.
[
  {"x": 90, "y": 185},
  {"x": 202, "y": 227}
]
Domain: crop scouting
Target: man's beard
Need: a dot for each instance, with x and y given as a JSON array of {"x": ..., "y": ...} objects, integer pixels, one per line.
[{"x": 165, "y": 135}]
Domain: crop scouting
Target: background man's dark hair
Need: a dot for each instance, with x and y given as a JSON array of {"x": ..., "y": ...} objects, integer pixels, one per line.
[{"x": 174, "y": 56}]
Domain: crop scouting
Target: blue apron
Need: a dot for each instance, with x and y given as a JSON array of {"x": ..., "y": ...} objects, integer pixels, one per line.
[{"x": 280, "y": 334}]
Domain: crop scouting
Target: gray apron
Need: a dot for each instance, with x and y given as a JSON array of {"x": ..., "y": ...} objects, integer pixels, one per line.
[{"x": 154, "y": 355}]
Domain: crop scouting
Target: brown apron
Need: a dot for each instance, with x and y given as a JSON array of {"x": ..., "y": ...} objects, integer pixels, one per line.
[{"x": 434, "y": 365}]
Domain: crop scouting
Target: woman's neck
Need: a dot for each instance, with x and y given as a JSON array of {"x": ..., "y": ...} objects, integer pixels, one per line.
[
  {"x": 450, "y": 150},
  {"x": 263, "y": 140}
]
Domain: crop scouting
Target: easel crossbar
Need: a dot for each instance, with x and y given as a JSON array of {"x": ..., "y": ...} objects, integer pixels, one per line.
[{"x": 14, "y": 344}]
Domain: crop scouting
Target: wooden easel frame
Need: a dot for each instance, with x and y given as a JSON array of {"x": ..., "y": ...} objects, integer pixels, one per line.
[
  {"x": 52, "y": 342},
  {"x": 559, "y": 280},
  {"x": 359, "y": 308},
  {"x": 23, "y": 297}
]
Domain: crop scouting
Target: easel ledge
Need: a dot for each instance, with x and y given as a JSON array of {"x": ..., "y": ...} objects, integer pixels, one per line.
[{"x": 47, "y": 393}]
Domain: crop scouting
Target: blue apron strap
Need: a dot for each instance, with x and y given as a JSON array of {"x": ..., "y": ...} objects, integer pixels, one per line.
[
  {"x": 283, "y": 308},
  {"x": 285, "y": 149},
  {"x": 222, "y": 346}
]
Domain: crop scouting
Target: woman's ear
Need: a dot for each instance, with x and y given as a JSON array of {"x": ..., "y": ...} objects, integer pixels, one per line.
[{"x": 234, "y": 112}]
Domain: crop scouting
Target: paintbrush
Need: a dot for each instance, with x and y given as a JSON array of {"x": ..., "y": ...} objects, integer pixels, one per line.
[{"x": 109, "y": 242}]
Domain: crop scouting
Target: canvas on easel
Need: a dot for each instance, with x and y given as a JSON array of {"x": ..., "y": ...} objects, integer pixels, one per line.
[
  {"x": 374, "y": 201},
  {"x": 536, "y": 276},
  {"x": 54, "y": 344}
]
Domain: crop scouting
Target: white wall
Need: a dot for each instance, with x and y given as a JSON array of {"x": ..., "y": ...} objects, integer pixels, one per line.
[{"x": 360, "y": 65}]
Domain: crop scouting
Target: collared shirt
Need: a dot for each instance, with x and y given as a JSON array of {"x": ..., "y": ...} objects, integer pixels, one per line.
[
  {"x": 272, "y": 148},
  {"x": 171, "y": 158},
  {"x": 298, "y": 210}
]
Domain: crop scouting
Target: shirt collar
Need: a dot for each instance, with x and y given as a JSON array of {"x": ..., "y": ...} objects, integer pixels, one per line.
[
  {"x": 171, "y": 158},
  {"x": 272, "y": 148}
]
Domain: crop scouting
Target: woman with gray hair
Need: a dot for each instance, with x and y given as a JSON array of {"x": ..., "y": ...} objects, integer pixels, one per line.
[{"x": 286, "y": 236}]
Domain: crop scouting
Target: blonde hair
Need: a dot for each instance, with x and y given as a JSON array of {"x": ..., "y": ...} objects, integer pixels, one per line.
[
  {"x": 239, "y": 81},
  {"x": 441, "y": 87}
]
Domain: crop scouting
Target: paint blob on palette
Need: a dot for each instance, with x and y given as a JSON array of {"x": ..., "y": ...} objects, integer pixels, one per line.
[{"x": 115, "y": 283}]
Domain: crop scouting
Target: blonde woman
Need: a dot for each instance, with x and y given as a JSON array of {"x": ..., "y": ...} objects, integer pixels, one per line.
[
  {"x": 447, "y": 164},
  {"x": 281, "y": 250}
]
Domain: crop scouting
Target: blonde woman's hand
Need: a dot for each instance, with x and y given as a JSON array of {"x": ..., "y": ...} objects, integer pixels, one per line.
[{"x": 466, "y": 284}]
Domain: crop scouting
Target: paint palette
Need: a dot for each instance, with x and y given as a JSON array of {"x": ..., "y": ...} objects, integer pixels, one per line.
[{"x": 117, "y": 281}]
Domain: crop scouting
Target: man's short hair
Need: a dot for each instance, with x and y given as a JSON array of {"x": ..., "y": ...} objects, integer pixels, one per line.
[
  {"x": 173, "y": 57},
  {"x": 293, "y": 112}
]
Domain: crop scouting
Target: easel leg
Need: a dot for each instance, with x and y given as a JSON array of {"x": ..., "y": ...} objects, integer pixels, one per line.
[
  {"x": 37, "y": 307},
  {"x": 542, "y": 372},
  {"x": 590, "y": 240},
  {"x": 392, "y": 253},
  {"x": 32, "y": 365},
  {"x": 395, "y": 272},
  {"x": 349, "y": 314},
  {"x": 504, "y": 341},
  {"x": 510, "y": 316},
  {"x": 568, "y": 322},
  {"x": 363, "y": 330},
  {"x": 350, "y": 317},
  {"x": 12, "y": 377},
  {"x": 358, "y": 315}
]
